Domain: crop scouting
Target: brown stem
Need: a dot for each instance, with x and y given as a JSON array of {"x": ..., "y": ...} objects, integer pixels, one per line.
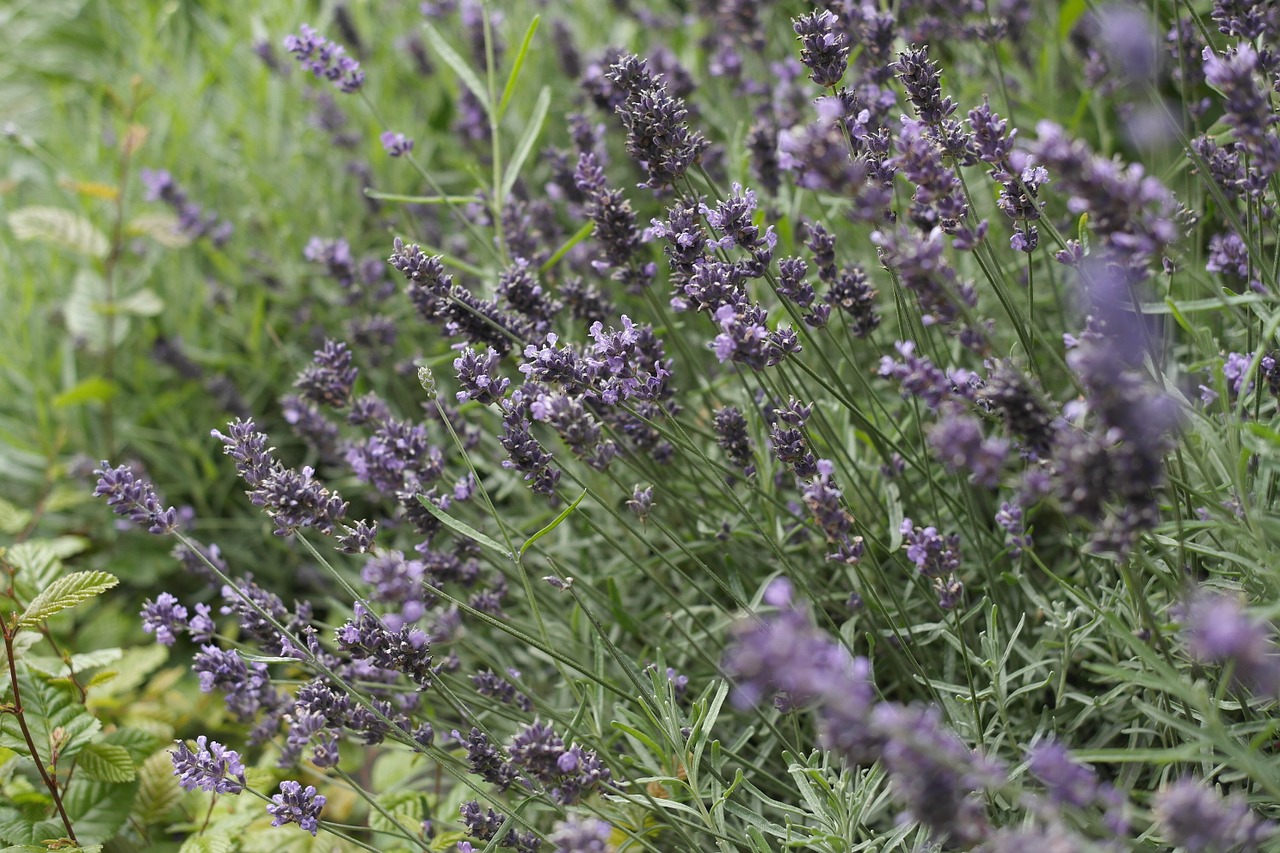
[{"x": 50, "y": 782}]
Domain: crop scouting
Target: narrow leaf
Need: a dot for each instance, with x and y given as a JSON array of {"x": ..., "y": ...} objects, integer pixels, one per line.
[
  {"x": 107, "y": 763},
  {"x": 527, "y": 140},
  {"x": 59, "y": 226},
  {"x": 578, "y": 236},
  {"x": 555, "y": 522},
  {"x": 459, "y": 65},
  {"x": 464, "y": 529},
  {"x": 66, "y": 592},
  {"x": 95, "y": 389},
  {"x": 509, "y": 89}
]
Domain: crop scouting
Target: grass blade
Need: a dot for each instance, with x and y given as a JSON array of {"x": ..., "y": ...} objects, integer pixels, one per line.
[
  {"x": 530, "y": 137},
  {"x": 509, "y": 89}
]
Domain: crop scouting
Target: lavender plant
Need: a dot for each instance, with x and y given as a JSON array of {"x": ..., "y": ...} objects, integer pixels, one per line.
[{"x": 824, "y": 443}]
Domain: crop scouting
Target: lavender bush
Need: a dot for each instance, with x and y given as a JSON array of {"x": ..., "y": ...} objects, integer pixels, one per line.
[{"x": 727, "y": 427}]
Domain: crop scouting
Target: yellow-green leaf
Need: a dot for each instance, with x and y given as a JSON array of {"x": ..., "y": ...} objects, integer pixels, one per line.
[{"x": 66, "y": 592}]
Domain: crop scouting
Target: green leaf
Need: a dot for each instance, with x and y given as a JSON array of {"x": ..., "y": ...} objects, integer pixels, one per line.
[
  {"x": 21, "y": 643},
  {"x": 13, "y": 518},
  {"x": 52, "y": 713},
  {"x": 160, "y": 226},
  {"x": 555, "y": 522},
  {"x": 59, "y": 226},
  {"x": 137, "y": 743},
  {"x": 465, "y": 72},
  {"x": 158, "y": 790},
  {"x": 464, "y": 529},
  {"x": 98, "y": 809},
  {"x": 512, "y": 78},
  {"x": 19, "y": 830},
  {"x": 527, "y": 140},
  {"x": 84, "y": 313},
  {"x": 66, "y": 592},
  {"x": 107, "y": 763},
  {"x": 145, "y": 303},
  {"x": 95, "y": 389},
  {"x": 37, "y": 563},
  {"x": 578, "y": 236}
]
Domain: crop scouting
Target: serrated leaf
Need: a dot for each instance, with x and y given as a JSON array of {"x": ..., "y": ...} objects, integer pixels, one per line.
[
  {"x": 59, "y": 226},
  {"x": 106, "y": 762},
  {"x": 527, "y": 140},
  {"x": 84, "y": 315},
  {"x": 135, "y": 665},
  {"x": 22, "y": 832},
  {"x": 66, "y": 592},
  {"x": 158, "y": 790},
  {"x": 13, "y": 518},
  {"x": 137, "y": 743},
  {"x": 159, "y": 226},
  {"x": 144, "y": 303},
  {"x": 215, "y": 841},
  {"x": 52, "y": 712},
  {"x": 21, "y": 643},
  {"x": 98, "y": 809},
  {"x": 37, "y": 563},
  {"x": 440, "y": 45},
  {"x": 95, "y": 389},
  {"x": 464, "y": 529}
]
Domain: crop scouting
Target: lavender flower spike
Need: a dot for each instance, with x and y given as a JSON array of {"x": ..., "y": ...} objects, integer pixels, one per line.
[
  {"x": 212, "y": 767},
  {"x": 396, "y": 144},
  {"x": 295, "y": 804},
  {"x": 325, "y": 59},
  {"x": 136, "y": 499}
]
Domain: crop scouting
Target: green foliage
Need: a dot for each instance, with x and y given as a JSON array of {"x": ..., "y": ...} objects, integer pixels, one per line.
[{"x": 65, "y": 592}]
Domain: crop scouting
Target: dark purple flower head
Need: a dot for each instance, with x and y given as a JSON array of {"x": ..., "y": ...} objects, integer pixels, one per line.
[
  {"x": 1196, "y": 818},
  {"x": 1219, "y": 630},
  {"x": 641, "y": 502},
  {"x": 936, "y": 776},
  {"x": 212, "y": 767},
  {"x": 1067, "y": 781},
  {"x": 478, "y": 376},
  {"x": 248, "y": 688},
  {"x": 396, "y": 144},
  {"x": 164, "y": 617},
  {"x": 958, "y": 440},
  {"x": 329, "y": 378},
  {"x": 920, "y": 77},
  {"x": 325, "y": 59},
  {"x": 295, "y": 804},
  {"x": 731, "y": 434},
  {"x": 658, "y": 138},
  {"x": 824, "y": 47},
  {"x": 134, "y": 499},
  {"x": 582, "y": 835},
  {"x": 933, "y": 554}
]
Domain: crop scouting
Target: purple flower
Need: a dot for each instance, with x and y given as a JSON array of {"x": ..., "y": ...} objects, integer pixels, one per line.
[
  {"x": 824, "y": 49},
  {"x": 295, "y": 804},
  {"x": 247, "y": 688},
  {"x": 164, "y": 617},
  {"x": 959, "y": 442},
  {"x": 135, "y": 499},
  {"x": 478, "y": 376},
  {"x": 657, "y": 136},
  {"x": 920, "y": 77},
  {"x": 212, "y": 767},
  {"x": 1010, "y": 518},
  {"x": 581, "y": 835},
  {"x": 1195, "y": 817},
  {"x": 330, "y": 376},
  {"x": 396, "y": 144},
  {"x": 933, "y": 772},
  {"x": 933, "y": 554},
  {"x": 325, "y": 59},
  {"x": 1219, "y": 630},
  {"x": 1067, "y": 781},
  {"x": 731, "y": 434},
  {"x": 641, "y": 502}
]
